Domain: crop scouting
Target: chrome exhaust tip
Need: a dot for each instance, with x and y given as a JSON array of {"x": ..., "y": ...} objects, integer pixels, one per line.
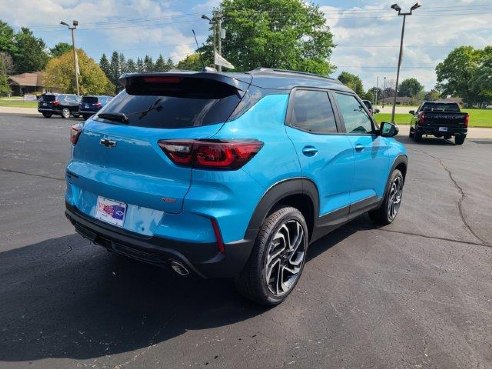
[{"x": 179, "y": 268}]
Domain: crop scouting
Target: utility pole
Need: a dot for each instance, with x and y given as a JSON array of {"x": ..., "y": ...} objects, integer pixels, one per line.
[
  {"x": 377, "y": 89},
  {"x": 398, "y": 9},
  {"x": 384, "y": 91},
  {"x": 218, "y": 21},
  {"x": 72, "y": 28}
]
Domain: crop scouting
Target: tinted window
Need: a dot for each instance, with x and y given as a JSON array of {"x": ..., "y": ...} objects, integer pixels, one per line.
[
  {"x": 48, "y": 98},
  {"x": 354, "y": 116},
  {"x": 312, "y": 112},
  {"x": 441, "y": 107},
  {"x": 89, "y": 99},
  {"x": 175, "y": 108}
]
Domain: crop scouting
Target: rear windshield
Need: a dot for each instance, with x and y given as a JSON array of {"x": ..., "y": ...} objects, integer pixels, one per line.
[
  {"x": 441, "y": 107},
  {"x": 47, "y": 98},
  {"x": 189, "y": 103},
  {"x": 89, "y": 99}
]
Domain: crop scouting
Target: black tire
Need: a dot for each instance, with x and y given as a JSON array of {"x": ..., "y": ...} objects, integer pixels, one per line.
[
  {"x": 86, "y": 116},
  {"x": 411, "y": 132},
  {"x": 269, "y": 258},
  {"x": 47, "y": 115},
  {"x": 385, "y": 215},
  {"x": 417, "y": 136},
  {"x": 459, "y": 139},
  {"x": 65, "y": 113}
]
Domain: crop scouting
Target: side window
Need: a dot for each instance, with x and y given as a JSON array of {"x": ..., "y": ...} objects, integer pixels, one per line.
[
  {"x": 354, "y": 116},
  {"x": 311, "y": 111}
]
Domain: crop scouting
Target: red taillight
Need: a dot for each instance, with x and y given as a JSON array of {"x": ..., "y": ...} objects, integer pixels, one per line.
[
  {"x": 56, "y": 103},
  {"x": 75, "y": 131},
  {"x": 232, "y": 154},
  {"x": 98, "y": 105},
  {"x": 218, "y": 235},
  {"x": 467, "y": 119},
  {"x": 421, "y": 118}
]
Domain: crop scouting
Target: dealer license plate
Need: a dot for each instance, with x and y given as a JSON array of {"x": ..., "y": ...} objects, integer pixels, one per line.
[
  {"x": 110, "y": 211},
  {"x": 443, "y": 129}
]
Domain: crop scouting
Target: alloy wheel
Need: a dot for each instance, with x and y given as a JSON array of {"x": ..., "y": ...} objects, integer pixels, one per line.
[
  {"x": 394, "y": 197},
  {"x": 285, "y": 258}
]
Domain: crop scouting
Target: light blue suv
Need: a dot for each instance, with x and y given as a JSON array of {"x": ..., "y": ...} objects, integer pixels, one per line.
[{"x": 230, "y": 174}]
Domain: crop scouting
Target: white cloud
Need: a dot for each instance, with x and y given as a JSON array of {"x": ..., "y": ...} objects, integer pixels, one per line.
[{"x": 369, "y": 37}]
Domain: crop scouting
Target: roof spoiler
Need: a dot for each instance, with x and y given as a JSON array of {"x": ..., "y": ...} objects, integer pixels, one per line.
[{"x": 128, "y": 79}]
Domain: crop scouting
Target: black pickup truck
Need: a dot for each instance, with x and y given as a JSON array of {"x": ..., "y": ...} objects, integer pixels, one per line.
[{"x": 440, "y": 119}]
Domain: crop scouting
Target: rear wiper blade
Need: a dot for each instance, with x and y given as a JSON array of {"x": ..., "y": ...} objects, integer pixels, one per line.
[{"x": 115, "y": 117}]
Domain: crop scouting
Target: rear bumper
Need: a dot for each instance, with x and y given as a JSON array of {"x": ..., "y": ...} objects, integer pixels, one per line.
[
  {"x": 48, "y": 110},
  {"x": 434, "y": 130},
  {"x": 203, "y": 259}
]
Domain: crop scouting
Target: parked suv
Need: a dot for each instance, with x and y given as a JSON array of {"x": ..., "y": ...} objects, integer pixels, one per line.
[
  {"x": 89, "y": 105},
  {"x": 230, "y": 174},
  {"x": 64, "y": 105}
]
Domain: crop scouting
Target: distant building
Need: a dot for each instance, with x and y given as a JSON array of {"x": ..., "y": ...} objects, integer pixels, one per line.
[
  {"x": 400, "y": 100},
  {"x": 26, "y": 83}
]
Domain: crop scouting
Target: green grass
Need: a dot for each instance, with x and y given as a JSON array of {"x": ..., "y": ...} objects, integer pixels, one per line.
[
  {"x": 17, "y": 103},
  {"x": 478, "y": 118}
]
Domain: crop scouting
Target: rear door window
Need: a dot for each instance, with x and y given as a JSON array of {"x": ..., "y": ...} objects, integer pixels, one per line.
[
  {"x": 89, "y": 99},
  {"x": 311, "y": 111},
  {"x": 47, "y": 98},
  {"x": 180, "y": 104},
  {"x": 353, "y": 113}
]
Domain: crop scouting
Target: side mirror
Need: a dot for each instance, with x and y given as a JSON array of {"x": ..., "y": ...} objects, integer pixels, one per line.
[
  {"x": 388, "y": 129},
  {"x": 376, "y": 111},
  {"x": 412, "y": 112}
]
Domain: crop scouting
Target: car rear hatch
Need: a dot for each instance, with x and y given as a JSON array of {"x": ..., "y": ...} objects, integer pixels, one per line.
[
  {"x": 445, "y": 119},
  {"x": 90, "y": 103},
  {"x": 46, "y": 101},
  {"x": 117, "y": 155}
]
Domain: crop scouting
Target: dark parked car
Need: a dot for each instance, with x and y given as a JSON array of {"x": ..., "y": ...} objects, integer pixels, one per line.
[
  {"x": 90, "y": 105},
  {"x": 441, "y": 119},
  {"x": 55, "y": 104},
  {"x": 369, "y": 107},
  {"x": 230, "y": 174}
]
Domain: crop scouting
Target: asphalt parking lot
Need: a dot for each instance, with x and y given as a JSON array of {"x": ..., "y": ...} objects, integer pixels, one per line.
[{"x": 415, "y": 294}]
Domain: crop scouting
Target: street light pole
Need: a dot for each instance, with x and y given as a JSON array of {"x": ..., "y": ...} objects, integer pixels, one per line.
[
  {"x": 72, "y": 29},
  {"x": 398, "y": 9},
  {"x": 212, "y": 22}
]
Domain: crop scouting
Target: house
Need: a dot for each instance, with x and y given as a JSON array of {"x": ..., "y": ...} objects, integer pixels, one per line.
[
  {"x": 26, "y": 83},
  {"x": 400, "y": 100}
]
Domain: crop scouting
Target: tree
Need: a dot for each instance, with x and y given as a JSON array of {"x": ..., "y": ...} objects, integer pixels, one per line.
[
  {"x": 123, "y": 66},
  {"x": 59, "y": 75},
  {"x": 287, "y": 34},
  {"x": 114, "y": 68},
  {"x": 481, "y": 81},
  {"x": 191, "y": 62},
  {"x": 432, "y": 95},
  {"x": 410, "y": 87},
  {"x": 162, "y": 65},
  {"x": 29, "y": 54},
  {"x": 352, "y": 81},
  {"x": 131, "y": 67},
  {"x": 140, "y": 65},
  {"x": 456, "y": 71},
  {"x": 60, "y": 49},
  {"x": 7, "y": 63},
  {"x": 7, "y": 42},
  {"x": 104, "y": 65},
  {"x": 4, "y": 84},
  {"x": 148, "y": 64}
]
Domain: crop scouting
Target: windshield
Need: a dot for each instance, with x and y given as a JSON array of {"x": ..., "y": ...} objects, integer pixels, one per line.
[{"x": 47, "y": 98}]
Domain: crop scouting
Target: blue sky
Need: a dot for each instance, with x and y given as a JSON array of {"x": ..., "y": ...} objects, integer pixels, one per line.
[{"x": 367, "y": 32}]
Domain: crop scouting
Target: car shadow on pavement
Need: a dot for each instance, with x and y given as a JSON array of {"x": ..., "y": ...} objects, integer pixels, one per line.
[{"x": 66, "y": 298}]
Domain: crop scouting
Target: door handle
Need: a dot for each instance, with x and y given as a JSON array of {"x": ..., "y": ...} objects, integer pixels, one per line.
[
  {"x": 309, "y": 150},
  {"x": 359, "y": 147}
]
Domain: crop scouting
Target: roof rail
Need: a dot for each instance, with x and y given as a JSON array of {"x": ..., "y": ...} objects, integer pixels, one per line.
[{"x": 261, "y": 69}]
